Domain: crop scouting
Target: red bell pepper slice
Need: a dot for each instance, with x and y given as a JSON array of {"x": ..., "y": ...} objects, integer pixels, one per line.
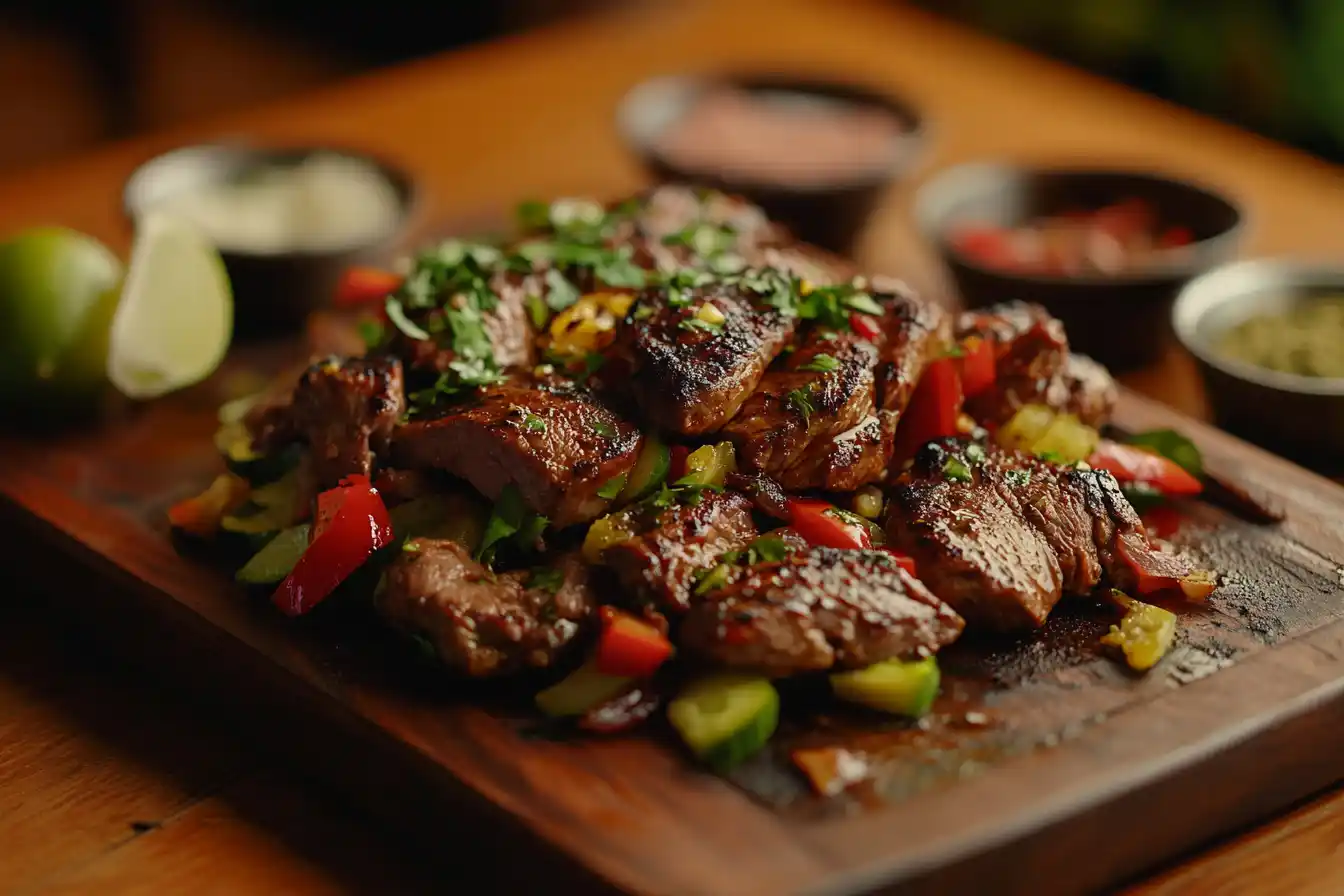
[
  {"x": 1131, "y": 464},
  {"x": 933, "y": 410},
  {"x": 864, "y": 325},
  {"x": 359, "y": 526},
  {"x": 630, "y": 647},
  {"x": 976, "y": 365},
  {"x": 361, "y": 286},
  {"x": 825, "y": 525},
  {"x": 904, "y": 561}
]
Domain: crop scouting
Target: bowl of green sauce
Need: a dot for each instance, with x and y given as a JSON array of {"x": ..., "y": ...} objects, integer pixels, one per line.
[{"x": 1268, "y": 336}]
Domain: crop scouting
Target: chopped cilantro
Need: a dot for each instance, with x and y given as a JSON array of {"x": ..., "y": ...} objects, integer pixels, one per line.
[
  {"x": 643, "y": 312},
  {"x": 1017, "y": 478},
  {"x": 955, "y": 469},
  {"x": 975, "y": 453},
  {"x": 560, "y": 293},
  {"x": 537, "y": 311},
  {"x": 704, "y": 239},
  {"x": 768, "y": 549},
  {"x": 708, "y": 580},
  {"x": 604, "y": 429},
  {"x": 695, "y": 323},
  {"x": 397, "y": 314},
  {"x": 510, "y": 521},
  {"x": 612, "y": 487},
  {"x": 546, "y": 579},
  {"x": 372, "y": 332},
  {"x": 861, "y": 302},
  {"x": 533, "y": 423},
  {"x": 1052, "y": 457},
  {"x": 533, "y": 215},
  {"x": 801, "y": 402},
  {"x": 821, "y": 363}
]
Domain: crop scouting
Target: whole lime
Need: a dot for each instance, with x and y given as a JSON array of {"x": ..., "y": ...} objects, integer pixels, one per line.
[{"x": 58, "y": 292}]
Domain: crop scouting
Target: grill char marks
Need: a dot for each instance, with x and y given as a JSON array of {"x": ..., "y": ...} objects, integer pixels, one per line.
[
  {"x": 775, "y": 433},
  {"x": 1001, "y": 537},
  {"x": 1033, "y": 366},
  {"x": 850, "y": 460},
  {"x": 346, "y": 411},
  {"x": 482, "y": 623},
  {"x": 818, "y": 609},
  {"x": 556, "y": 443},
  {"x": 913, "y": 334},
  {"x": 691, "y": 380},
  {"x": 658, "y": 565}
]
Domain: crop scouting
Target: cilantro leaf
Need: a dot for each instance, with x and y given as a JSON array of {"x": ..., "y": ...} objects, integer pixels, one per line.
[
  {"x": 801, "y": 402},
  {"x": 397, "y": 315},
  {"x": 533, "y": 423},
  {"x": 546, "y": 579},
  {"x": 560, "y": 293},
  {"x": 821, "y": 363},
  {"x": 537, "y": 311},
  {"x": 604, "y": 429},
  {"x": 955, "y": 469},
  {"x": 612, "y": 487}
]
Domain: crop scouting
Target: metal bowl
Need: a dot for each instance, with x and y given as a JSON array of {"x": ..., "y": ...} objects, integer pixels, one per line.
[
  {"x": 1122, "y": 319},
  {"x": 1300, "y": 416},
  {"x": 830, "y": 214},
  {"x": 273, "y": 291}
]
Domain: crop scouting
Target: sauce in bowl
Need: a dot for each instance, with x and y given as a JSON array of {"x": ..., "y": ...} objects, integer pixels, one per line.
[
  {"x": 1306, "y": 339},
  {"x": 781, "y": 136},
  {"x": 326, "y": 202}
]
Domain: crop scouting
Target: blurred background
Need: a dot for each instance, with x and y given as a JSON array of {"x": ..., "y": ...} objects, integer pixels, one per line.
[{"x": 75, "y": 74}]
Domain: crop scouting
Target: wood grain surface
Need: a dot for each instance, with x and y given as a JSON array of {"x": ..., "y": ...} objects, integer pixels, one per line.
[{"x": 86, "y": 752}]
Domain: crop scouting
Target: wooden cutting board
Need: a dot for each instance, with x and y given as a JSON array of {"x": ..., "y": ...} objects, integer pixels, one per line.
[{"x": 1044, "y": 760}]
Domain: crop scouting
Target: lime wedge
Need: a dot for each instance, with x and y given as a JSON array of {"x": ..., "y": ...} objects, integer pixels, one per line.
[{"x": 173, "y": 324}]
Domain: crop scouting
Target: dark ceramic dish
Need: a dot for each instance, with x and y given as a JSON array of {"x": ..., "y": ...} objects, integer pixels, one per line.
[
  {"x": 1301, "y": 416},
  {"x": 830, "y": 214},
  {"x": 273, "y": 291},
  {"x": 1121, "y": 320}
]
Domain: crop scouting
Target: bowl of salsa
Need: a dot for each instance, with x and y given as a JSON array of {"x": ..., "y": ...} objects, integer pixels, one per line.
[
  {"x": 1105, "y": 251},
  {"x": 816, "y": 155}
]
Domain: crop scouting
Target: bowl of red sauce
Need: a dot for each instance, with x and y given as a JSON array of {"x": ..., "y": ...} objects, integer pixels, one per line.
[
  {"x": 1104, "y": 251},
  {"x": 816, "y": 155}
]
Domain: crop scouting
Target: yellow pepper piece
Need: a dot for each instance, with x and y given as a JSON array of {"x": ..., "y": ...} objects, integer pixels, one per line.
[
  {"x": 1144, "y": 635},
  {"x": 612, "y": 529},
  {"x": 1038, "y": 429},
  {"x": 589, "y": 324}
]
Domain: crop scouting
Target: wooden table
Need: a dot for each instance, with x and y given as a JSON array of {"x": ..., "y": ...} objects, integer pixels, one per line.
[{"x": 111, "y": 781}]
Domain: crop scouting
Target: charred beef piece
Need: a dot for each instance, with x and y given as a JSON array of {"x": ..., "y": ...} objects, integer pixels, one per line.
[
  {"x": 688, "y": 376},
  {"x": 852, "y": 459},
  {"x": 483, "y": 623},
  {"x": 507, "y": 325},
  {"x": 657, "y": 565},
  {"x": 819, "y": 609},
  {"x": 555, "y": 442},
  {"x": 820, "y": 390},
  {"x": 1033, "y": 366},
  {"x": 1002, "y": 536},
  {"x": 914, "y": 332},
  {"x": 346, "y": 411}
]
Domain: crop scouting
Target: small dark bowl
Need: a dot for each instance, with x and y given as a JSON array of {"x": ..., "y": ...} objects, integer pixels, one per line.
[
  {"x": 1123, "y": 321},
  {"x": 1299, "y": 416},
  {"x": 830, "y": 214},
  {"x": 273, "y": 291}
]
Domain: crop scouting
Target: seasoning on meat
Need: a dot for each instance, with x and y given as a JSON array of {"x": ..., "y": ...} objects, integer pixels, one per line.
[
  {"x": 696, "y": 353},
  {"x": 560, "y": 446},
  {"x": 483, "y": 623},
  {"x": 819, "y": 609},
  {"x": 346, "y": 411}
]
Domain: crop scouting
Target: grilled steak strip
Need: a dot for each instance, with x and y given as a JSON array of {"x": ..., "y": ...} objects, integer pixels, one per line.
[
  {"x": 1002, "y": 536},
  {"x": 914, "y": 333},
  {"x": 346, "y": 411},
  {"x": 822, "y": 389},
  {"x": 691, "y": 379},
  {"x": 482, "y": 623},
  {"x": 555, "y": 442},
  {"x": 657, "y": 565},
  {"x": 850, "y": 460},
  {"x": 818, "y": 609}
]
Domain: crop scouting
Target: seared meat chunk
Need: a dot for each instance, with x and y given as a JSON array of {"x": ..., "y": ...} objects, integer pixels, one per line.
[
  {"x": 819, "y": 609},
  {"x": 821, "y": 390},
  {"x": 914, "y": 332},
  {"x": 1002, "y": 537},
  {"x": 555, "y": 443},
  {"x": 483, "y": 623},
  {"x": 1033, "y": 366},
  {"x": 346, "y": 411},
  {"x": 657, "y": 565},
  {"x": 852, "y": 459},
  {"x": 694, "y": 355}
]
